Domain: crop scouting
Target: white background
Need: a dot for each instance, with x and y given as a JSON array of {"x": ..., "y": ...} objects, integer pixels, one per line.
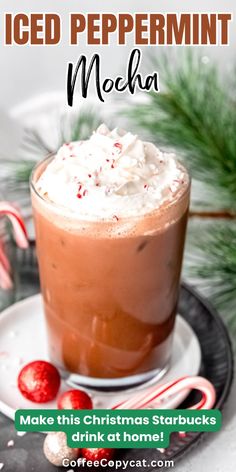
[{"x": 29, "y": 71}]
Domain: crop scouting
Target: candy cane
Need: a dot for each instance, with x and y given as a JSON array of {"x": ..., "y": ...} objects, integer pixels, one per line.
[
  {"x": 146, "y": 398},
  {"x": 3, "y": 258},
  {"x": 19, "y": 228},
  {"x": 20, "y": 235},
  {"x": 172, "y": 388},
  {"x": 5, "y": 279}
]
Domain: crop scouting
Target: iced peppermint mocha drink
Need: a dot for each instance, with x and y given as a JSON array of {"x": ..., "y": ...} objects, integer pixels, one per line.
[{"x": 110, "y": 216}]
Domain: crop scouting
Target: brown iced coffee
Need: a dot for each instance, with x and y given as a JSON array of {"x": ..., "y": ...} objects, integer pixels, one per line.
[{"x": 110, "y": 216}]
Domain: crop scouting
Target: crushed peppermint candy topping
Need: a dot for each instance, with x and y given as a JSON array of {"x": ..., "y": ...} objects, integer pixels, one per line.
[
  {"x": 18, "y": 361},
  {"x": 118, "y": 148},
  {"x": 4, "y": 354},
  {"x": 21, "y": 433},
  {"x": 10, "y": 443}
]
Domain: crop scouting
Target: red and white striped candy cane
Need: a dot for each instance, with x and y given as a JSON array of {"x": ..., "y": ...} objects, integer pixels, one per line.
[
  {"x": 161, "y": 392},
  {"x": 20, "y": 234}
]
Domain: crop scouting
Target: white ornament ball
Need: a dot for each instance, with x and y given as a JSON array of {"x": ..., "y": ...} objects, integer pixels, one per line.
[{"x": 55, "y": 449}]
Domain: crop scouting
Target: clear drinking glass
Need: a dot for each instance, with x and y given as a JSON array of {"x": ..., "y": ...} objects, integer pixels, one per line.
[{"x": 110, "y": 288}]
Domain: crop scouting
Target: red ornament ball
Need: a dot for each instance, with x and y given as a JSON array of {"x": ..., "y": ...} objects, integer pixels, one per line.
[
  {"x": 97, "y": 454},
  {"x": 75, "y": 400},
  {"x": 39, "y": 381}
]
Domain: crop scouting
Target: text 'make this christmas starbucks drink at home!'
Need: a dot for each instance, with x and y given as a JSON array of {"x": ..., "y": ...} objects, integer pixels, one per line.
[{"x": 110, "y": 216}]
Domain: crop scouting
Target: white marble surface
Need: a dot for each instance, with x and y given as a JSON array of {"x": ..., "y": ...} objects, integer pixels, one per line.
[{"x": 217, "y": 451}]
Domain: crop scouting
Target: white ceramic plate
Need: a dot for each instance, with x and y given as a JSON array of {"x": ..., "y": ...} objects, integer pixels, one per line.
[{"x": 23, "y": 339}]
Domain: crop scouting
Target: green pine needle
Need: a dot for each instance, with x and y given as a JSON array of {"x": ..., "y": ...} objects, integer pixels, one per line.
[
  {"x": 77, "y": 127},
  {"x": 23, "y": 170}
]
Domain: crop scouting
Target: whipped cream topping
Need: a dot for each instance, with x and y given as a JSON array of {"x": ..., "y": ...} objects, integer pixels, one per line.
[{"x": 111, "y": 175}]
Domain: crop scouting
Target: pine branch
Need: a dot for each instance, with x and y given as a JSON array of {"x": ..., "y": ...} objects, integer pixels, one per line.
[
  {"x": 195, "y": 113},
  {"x": 224, "y": 214},
  {"x": 210, "y": 261}
]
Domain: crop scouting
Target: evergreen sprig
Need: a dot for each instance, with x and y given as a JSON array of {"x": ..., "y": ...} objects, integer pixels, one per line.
[
  {"x": 210, "y": 261},
  {"x": 195, "y": 113}
]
